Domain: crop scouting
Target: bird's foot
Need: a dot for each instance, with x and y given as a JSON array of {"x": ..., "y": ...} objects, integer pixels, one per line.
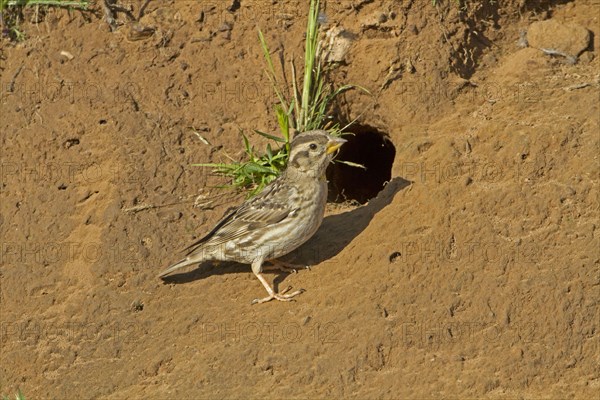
[
  {"x": 285, "y": 266},
  {"x": 280, "y": 296}
]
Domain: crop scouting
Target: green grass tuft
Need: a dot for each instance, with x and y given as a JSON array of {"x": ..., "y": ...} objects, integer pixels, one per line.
[
  {"x": 18, "y": 396},
  {"x": 11, "y": 13},
  {"x": 303, "y": 111}
]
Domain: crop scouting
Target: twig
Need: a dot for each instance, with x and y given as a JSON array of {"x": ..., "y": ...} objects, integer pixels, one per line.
[
  {"x": 141, "y": 207},
  {"x": 552, "y": 52},
  {"x": 53, "y": 3},
  {"x": 142, "y": 9},
  {"x": 11, "y": 85},
  {"x": 109, "y": 14},
  {"x": 577, "y": 86},
  {"x": 202, "y": 138},
  {"x": 444, "y": 32},
  {"x": 110, "y": 11},
  {"x": 125, "y": 11},
  {"x": 201, "y": 201},
  {"x": 393, "y": 74},
  {"x": 144, "y": 207}
]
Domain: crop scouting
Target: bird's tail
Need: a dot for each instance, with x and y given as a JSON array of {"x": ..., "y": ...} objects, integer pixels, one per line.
[{"x": 180, "y": 264}]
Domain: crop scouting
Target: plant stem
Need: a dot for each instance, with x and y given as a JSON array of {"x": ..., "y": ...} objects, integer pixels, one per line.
[
  {"x": 51, "y": 3},
  {"x": 309, "y": 62}
]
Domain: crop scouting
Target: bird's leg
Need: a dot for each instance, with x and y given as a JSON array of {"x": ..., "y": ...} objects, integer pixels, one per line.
[
  {"x": 284, "y": 266},
  {"x": 256, "y": 268}
]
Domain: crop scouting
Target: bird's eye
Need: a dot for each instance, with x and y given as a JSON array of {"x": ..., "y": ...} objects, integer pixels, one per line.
[{"x": 313, "y": 146}]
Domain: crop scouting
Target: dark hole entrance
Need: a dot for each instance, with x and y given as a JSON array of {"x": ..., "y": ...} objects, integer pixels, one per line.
[{"x": 372, "y": 149}]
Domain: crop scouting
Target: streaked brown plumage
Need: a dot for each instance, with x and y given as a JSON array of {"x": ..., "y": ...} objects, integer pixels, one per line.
[{"x": 283, "y": 216}]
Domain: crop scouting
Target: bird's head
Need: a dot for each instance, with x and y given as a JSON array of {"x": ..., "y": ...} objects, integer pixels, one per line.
[{"x": 312, "y": 151}]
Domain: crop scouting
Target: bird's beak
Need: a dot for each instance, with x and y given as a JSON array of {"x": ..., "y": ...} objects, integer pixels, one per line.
[{"x": 334, "y": 144}]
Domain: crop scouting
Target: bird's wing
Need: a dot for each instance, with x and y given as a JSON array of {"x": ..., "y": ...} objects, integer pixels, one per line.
[{"x": 269, "y": 207}]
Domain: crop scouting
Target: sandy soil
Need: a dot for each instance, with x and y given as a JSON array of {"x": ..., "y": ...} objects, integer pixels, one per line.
[{"x": 473, "y": 273}]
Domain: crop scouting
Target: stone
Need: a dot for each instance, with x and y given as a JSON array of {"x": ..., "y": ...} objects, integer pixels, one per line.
[
  {"x": 554, "y": 37},
  {"x": 339, "y": 43}
]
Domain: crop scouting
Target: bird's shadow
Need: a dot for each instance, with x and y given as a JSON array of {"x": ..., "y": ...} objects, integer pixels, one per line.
[{"x": 335, "y": 233}]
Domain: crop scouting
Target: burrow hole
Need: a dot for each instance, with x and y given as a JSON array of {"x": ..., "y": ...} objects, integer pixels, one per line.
[{"x": 368, "y": 147}]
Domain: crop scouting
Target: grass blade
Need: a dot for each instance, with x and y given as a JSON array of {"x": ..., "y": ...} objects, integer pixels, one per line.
[
  {"x": 352, "y": 164},
  {"x": 269, "y": 136},
  {"x": 271, "y": 69}
]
